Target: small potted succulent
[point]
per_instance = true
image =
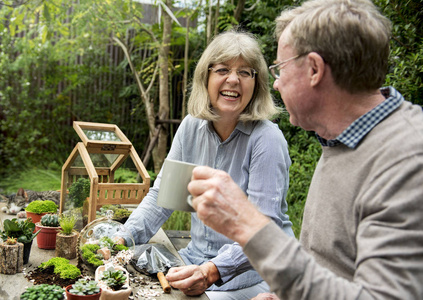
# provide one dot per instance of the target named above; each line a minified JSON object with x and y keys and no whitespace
{"x":83,"y":289}
{"x":114,"y":282}
{"x":43,"y":291}
{"x":49,"y":226}
{"x":11,"y":256}
{"x":38,"y":208}
{"x":67,"y":238}
{"x":23,"y":231}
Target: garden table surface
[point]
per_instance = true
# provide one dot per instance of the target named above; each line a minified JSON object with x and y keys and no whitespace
{"x":11,"y":286}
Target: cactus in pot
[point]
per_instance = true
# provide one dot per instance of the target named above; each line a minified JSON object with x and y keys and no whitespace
{"x":49,"y":226}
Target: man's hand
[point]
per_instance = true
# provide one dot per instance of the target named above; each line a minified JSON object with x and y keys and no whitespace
{"x":223,"y":206}
{"x":193,"y":280}
{"x":266,"y":296}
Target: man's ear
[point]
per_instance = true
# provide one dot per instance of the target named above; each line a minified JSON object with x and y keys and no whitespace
{"x":317,"y":68}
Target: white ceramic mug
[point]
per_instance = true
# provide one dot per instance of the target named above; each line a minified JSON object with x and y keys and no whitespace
{"x":173,"y":191}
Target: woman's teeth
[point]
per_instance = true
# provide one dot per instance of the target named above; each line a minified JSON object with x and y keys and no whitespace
{"x":229,"y":94}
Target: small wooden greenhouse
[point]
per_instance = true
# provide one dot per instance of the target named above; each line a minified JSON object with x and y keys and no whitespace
{"x":104,"y":148}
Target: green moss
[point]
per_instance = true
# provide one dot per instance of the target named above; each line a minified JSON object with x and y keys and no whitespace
{"x":42,"y":206}
{"x":62,"y":267}
{"x":89,"y":254}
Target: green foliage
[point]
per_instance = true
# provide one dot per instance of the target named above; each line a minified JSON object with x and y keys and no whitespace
{"x":178,"y":220}
{"x":114,"y":279}
{"x":89,"y":253}
{"x":406,"y":58}
{"x":79,"y":191}
{"x":22,"y":230}
{"x":84,"y":287}
{"x":42,"y":206}
{"x":125,"y":176}
{"x":67,"y":223}
{"x":62,"y":267}
{"x":50,"y":220}
{"x":36,"y":179}
{"x":43,"y":292}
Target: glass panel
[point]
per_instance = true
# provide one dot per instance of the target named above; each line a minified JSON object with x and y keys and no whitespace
{"x":100,"y":135}
{"x":99,"y":160}
{"x":103,"y":160}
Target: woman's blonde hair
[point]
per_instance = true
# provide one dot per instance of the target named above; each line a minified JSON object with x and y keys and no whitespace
{"x":225,"y":47}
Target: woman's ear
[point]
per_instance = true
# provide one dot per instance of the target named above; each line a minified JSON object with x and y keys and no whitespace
{"x":317,"y":68}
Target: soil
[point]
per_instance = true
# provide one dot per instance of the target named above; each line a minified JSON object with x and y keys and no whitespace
{"x":40,"y":276}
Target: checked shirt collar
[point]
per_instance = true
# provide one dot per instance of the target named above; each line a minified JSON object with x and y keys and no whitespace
{"x":352,"y":136}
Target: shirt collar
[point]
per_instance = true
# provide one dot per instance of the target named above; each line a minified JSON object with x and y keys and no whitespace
{"x":244,"y":127}
{"x":352,"y":136}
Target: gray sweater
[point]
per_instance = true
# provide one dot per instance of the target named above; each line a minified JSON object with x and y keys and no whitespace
{"x":362,"y":234}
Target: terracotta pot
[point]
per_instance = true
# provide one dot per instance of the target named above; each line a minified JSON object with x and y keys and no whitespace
{"x":66,"y":245}
{"x":35,"y":217}
{"x":46,"y":239}
{"x":108,"y":294}
{"x":70,"y":296}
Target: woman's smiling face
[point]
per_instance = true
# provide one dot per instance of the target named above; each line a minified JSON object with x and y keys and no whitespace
{"x":230,"y":94}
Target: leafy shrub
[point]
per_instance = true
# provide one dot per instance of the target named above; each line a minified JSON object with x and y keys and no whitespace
{"x":42,"y":206}
{"x":79,"y":191}
{"x":62,"y":267}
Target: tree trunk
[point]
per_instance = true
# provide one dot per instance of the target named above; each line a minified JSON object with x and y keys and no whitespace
{"x":239,"y":9}
{"x":159,"y":153}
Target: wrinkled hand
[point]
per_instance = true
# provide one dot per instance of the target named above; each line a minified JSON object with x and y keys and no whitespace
{"x":193,"y":280}
{"x":221,"y":204}
{"x":265,"y":296}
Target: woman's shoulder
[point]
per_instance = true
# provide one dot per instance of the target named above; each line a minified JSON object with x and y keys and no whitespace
{"x":267,"y":128}
{"x":190,"y":124}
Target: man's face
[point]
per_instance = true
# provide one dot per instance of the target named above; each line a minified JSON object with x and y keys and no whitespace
{"x":292,"y":83}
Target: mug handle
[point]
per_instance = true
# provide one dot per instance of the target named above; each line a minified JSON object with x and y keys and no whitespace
{"x":189,"y":200}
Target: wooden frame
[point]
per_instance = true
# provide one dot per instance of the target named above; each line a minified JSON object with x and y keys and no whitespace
{"x":103,"y":190}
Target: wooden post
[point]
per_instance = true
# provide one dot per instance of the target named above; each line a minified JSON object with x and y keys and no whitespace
{"x":11,"y":258}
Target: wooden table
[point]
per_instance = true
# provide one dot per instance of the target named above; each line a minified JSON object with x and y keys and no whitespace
{"x":11,"y":286}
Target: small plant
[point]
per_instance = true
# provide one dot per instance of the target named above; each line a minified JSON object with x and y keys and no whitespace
{"x":84,"y":287}
{"x":62,"y":267}
{"x":42,"y":206}
{"x":50,"y":220}
{"x":11,"y":241}
{"x":22,"y":230}
{"x":67,"y":223}
{"x":114,"y":279}
{"x":43,"y":291}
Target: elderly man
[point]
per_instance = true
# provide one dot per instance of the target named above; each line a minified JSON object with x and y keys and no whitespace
{"x":362,"y":235}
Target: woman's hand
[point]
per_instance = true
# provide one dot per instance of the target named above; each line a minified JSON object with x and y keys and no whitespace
{"x":193,"y":280}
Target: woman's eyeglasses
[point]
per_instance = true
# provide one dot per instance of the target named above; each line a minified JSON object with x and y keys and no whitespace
{"x":244,"y":73}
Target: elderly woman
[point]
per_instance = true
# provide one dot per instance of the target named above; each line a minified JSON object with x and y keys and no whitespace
{"x":227,"y":128}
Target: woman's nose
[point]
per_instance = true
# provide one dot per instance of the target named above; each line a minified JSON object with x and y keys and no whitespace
{"x":233,"y":77}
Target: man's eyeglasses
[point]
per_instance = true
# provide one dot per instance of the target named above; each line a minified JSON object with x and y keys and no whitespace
{"x":244,"y":73}
{"x":274,"y":69}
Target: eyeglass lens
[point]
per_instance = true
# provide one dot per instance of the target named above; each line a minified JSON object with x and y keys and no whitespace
{"x":242,"y":73}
